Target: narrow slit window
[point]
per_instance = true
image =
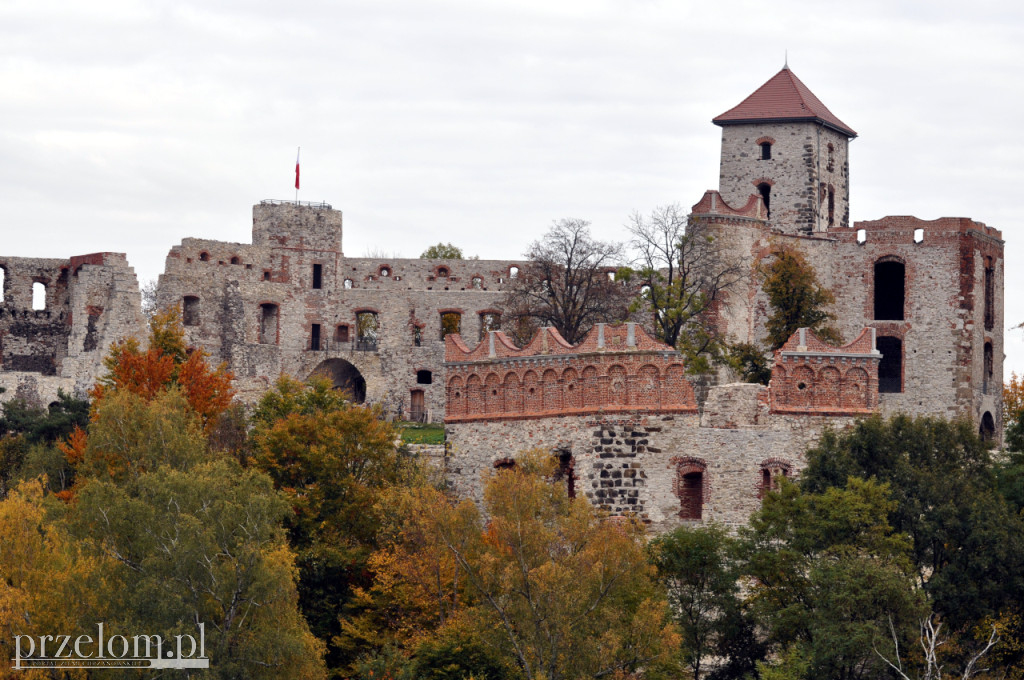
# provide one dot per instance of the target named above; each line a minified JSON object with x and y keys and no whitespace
{"x":3,"y":284}
{"x":831,"y":206}
{"x":314,"y":337}
{"x":318,"y":276}
{"x":990,"y":295}
{"x":766,"y":151}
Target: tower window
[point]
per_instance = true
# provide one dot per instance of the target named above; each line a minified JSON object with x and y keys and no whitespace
{"x":830,"y":166}
{"x":766,"y":151}
{"x":314,"y":337}
{"x":989,"y":365}
{"x":424,"y":377}
{"x":831,"y":206}
{"x":890,"y":368}
{"x":268,"y":324}
{"x":890,"y":290}
{"x":318,"y":270}
{"x":341,"y":333}
{"x":190,"y":311}
{"x":765,"y":190}
{"x":990,"y":295}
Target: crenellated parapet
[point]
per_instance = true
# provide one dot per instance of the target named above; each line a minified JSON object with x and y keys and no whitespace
{"x":615,"y":369}
{"x":811,"y":376}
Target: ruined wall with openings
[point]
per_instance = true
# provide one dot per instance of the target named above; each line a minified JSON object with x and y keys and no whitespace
{"x":256,"y":306}
{"x":58,"y":319}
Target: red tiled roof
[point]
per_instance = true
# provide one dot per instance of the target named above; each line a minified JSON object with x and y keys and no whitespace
{"x":783,"y":98}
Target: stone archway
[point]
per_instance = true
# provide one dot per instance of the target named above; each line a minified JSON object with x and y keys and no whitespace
{"x":344,"y":376}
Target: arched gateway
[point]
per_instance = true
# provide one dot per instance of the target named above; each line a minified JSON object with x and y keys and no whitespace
{"x":344,"y":376}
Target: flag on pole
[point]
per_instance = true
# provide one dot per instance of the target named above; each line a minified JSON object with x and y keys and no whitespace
{"x":297,"y":168}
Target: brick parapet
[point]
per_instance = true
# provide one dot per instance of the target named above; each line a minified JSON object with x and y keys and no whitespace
{"x":809,"y":376}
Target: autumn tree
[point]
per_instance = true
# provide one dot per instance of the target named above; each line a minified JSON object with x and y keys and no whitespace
{"x":167,"y":362}
{"x":331,"y":459}
{"x":558,"y":589}
{"x":682,"y":269}
{"x":568,"y":283}
{"x":796,"y":298}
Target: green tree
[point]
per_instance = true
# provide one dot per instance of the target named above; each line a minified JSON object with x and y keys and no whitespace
{"x":331,"y":459}
{"x":796,"y":298}
{"x":682,"y":269}
{"x":829,"y":576}
{"x":967,"y":540}
{"x":442,"y":251}
{"x":696,"y":566}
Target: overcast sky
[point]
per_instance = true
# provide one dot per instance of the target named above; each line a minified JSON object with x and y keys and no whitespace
{"x":128,"y":125}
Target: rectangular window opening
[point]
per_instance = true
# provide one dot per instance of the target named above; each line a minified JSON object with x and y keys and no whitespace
{"x":317,"y":276}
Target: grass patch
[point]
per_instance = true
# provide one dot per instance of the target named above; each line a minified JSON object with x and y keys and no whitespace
{"x":421,"y":433}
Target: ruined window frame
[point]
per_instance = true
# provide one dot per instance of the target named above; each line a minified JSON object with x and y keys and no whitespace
{"x":191,"y":310}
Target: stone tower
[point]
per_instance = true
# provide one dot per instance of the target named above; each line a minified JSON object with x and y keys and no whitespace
{"x":781,"y":142}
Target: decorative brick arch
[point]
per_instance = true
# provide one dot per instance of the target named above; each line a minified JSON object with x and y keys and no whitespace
{"x":513,"y":402}
{"x":763,"y":180}
{"x":618,"y":387}
{"x":591,"y":387}
{"x":765,"y":140}
{"x":648,"y":388}
{"x":855,"y":388}
{"x":551,"y":391}
{"x":492,"y":394}
{"x":572,"y":390}
{"x":474,"y":394}
{"x":802,"y":382}
{"x":691,"y":486}
{"x":532,"y":398}
{"x":456,"y":397}
{"x":828,"y":387}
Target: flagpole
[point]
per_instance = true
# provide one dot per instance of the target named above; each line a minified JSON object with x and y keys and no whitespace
{"x":297,"y":154}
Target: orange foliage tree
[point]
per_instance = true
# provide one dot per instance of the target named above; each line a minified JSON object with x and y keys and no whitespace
{"x":166,"y":362}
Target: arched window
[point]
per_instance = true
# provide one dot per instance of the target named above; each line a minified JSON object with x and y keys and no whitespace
{"x":987,"y":429}
{"x":766,"y":151}
{"x":38,"y":295}
{"x":771,"y":471}
{"x":890,"y":290}
{"x":689,"y":487}
{"x":348,"y":284}
{"x":384,"y":271}
{"x":477,"y":282}
{"x":190,"y":311}
{"x":204,"y":256}
{"x":235,"y":259}
{"x":513,"y":272}
{"x":765,"y":190}
{"x":890,"y":368}
{"x":442,"y":273}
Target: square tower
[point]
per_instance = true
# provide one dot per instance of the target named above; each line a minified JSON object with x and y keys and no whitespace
{"x":782,"y":143}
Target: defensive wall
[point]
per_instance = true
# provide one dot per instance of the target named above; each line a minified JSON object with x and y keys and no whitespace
{"x":619,"y":414}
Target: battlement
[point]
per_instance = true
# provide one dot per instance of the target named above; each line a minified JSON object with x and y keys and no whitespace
{"x":713,"y":205}
{"x":301,"y":226}
{"x":614,"y":369}
{"x":812,"y":376}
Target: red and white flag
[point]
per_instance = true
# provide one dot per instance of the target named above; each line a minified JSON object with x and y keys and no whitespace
{"x":297,"y":168}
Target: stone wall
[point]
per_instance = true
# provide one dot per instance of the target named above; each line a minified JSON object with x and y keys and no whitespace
{"x":91,"y":301}
{"x":234,"y":288}
{"x":639,"y":462}
{"x":809,"y":164}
